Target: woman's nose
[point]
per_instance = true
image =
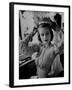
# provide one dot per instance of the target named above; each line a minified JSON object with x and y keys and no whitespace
{"x":45,"y":37}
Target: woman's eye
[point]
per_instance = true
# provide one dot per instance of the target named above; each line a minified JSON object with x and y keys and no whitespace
{"x":42,"y":34}
{"x":47,"y":33}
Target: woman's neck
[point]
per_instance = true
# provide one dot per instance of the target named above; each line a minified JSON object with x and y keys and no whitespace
{"x":46,"y":45}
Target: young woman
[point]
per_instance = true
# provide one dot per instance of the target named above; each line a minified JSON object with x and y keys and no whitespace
{"x":47,"y":60}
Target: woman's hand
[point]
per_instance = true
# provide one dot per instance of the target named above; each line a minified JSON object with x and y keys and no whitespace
{"x":34,"y":56}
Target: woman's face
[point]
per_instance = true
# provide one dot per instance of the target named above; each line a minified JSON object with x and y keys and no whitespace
{"x":45,"y":35}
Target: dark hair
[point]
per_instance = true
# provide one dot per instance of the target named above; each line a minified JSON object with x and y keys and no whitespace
{"x":45,"y":25}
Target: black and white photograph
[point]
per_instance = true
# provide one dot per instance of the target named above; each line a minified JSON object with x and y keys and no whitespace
{"x":41,"y":44}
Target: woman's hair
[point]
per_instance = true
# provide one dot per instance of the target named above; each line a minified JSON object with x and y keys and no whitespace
{"x":45,"y":25}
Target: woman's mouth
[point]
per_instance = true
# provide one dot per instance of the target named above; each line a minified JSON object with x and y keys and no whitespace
{"x":46,"y":40}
